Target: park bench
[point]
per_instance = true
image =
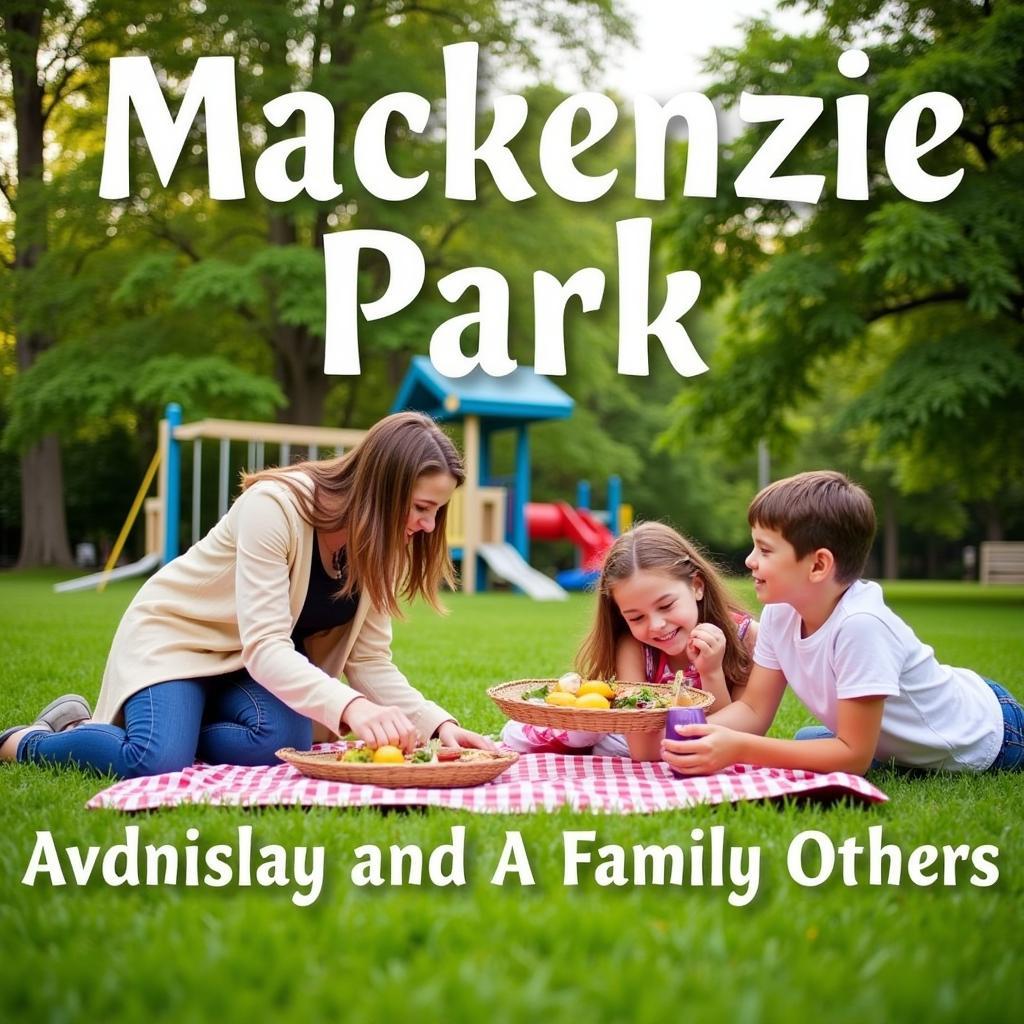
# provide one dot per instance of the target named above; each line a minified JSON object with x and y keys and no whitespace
{"x":1002,"y":562}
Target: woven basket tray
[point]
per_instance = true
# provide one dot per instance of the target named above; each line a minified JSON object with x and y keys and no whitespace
{"x":324,"y":764}
{"x":508,"y":697}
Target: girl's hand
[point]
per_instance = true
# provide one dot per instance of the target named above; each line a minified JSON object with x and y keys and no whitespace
{"x":379,"y":725}
{"x":706,"y":647}
{"x":707,"y":749}
{"x":452,"y":735}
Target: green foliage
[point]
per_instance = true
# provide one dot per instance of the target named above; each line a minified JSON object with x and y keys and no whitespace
{"x":86,"y":393}
{"x":210,"y":385}
{"x":221,"y":306}
{"x":967,"y":374}
{"x":924,"y":298}
{"x":218,"y":283}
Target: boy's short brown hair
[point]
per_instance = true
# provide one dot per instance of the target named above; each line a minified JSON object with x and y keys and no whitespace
{"x":820,"y":509}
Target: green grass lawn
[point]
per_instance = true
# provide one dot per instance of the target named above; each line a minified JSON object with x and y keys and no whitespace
{"x":487,"y":953}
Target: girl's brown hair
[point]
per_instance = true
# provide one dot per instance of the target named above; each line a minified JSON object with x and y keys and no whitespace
{"x":655,"y":547}
{"x":368,"y":492}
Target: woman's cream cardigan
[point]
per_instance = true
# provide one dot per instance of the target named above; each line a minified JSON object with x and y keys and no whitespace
{"x":232,"y":600}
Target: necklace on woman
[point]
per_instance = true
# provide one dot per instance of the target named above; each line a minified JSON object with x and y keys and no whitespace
{"x":339,"y":562}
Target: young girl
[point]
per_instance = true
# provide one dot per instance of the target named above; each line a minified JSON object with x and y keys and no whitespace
{"x":236,"y":648}
{"x":661,"y":609}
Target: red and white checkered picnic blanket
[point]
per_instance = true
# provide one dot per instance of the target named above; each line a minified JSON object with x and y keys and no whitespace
{"x":537,"y":782}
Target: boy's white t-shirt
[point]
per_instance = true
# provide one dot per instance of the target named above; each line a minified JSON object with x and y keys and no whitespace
{"x":935,"y":717}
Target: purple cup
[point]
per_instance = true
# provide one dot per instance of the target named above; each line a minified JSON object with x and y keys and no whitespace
{"x":682,"y":716}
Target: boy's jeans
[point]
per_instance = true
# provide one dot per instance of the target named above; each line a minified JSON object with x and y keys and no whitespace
{"x":227,"y":719}
{"x":1011,"y":753}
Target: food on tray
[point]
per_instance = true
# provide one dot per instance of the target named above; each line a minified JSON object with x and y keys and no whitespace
{"x":598,"y":686}
{"x":476,"y":755}
{"x":561,"y":699}
{"x":358,"y":755}
{"x":647,"y":698}
{"x":598,"y":695}
{"x":431,"y":753}
{"x":568,"y":683}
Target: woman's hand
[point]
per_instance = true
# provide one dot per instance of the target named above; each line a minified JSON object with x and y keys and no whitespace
{"x":706,"y":648}
{"x":452,"y":735}
{"x":377,"y":725}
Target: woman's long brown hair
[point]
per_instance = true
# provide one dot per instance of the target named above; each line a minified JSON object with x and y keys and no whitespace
{"x":368,"y":492}
{"x":655,"y":547}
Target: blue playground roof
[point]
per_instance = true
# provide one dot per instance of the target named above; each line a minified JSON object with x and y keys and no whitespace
{"x":521,"y":396}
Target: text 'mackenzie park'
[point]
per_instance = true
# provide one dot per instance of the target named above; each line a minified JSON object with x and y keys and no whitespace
{"x":134,"y":84}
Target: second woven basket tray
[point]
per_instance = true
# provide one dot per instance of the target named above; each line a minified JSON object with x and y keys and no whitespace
{"x":509,"y":697}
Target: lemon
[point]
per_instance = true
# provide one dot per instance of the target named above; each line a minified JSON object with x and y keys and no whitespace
{"x":597,"y":686}
{"x":561,"y":699}
{"x":388,"y":755}
{"x":593,"y":700}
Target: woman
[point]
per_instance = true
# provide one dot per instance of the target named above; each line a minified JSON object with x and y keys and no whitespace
{"x":236,"y":648}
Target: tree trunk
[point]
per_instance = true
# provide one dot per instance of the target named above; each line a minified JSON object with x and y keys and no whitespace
{"x":298,"y":355}
{"x":306,"y":392}
{"x":993,"y":522}
{"x":891,"y":539}
{"x":44,"y":534}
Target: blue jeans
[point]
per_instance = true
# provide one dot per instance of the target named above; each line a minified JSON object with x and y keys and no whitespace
{"x":1011,"y":753}
{"x":228,"y":719}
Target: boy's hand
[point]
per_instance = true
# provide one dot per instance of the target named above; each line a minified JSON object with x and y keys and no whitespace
{"x":706,"y":647}
{"x":707,"y":749}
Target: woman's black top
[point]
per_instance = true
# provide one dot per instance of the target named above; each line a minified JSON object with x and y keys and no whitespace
{"x":322,"y":610}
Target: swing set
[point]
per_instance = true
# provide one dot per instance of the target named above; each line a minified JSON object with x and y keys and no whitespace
{"x":163,"y":512}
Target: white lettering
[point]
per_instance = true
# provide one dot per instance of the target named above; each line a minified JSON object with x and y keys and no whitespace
{"x":370,"y":150}
{"x":795,"y":115}
{"x":445,"y":343}
{"x":45,"y":861}
{"x":557,"y":150}
{"x":212,"y":85}
{"x":317,"y":140}
{"x":634,"y":330}
{"x":550,"y":297}
{"x":902,"y":151}
{"x":461,"y":151}
{"x":701,"y":152}
{"x":341,"y":256}
{"x":794,"y":858}
{"x":513,"y":860}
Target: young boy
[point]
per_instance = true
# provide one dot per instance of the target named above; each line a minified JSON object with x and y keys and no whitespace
{"x":852,"y":662}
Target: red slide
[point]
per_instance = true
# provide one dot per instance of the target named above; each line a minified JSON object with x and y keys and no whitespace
{"x":560,"y":521}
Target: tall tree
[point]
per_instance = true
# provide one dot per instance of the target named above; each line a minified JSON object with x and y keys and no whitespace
{"x":38,"y":82}
{"x":922,"y":304}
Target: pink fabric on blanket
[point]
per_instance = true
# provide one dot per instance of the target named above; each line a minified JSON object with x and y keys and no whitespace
{"x":538,"y":782}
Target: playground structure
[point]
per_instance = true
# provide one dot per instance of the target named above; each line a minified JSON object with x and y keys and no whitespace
{"x":489,"y":525}
{"x":163,"y":512}
{"x":497,"y":534}
{"x":591,"y":533}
